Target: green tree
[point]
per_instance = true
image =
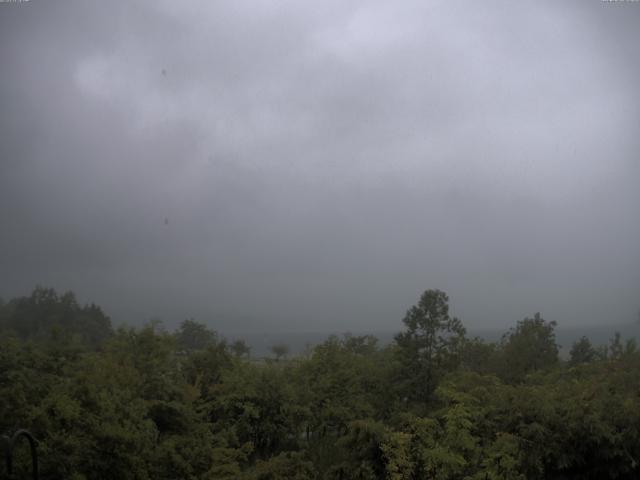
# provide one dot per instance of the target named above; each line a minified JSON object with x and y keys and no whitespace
{"x":363,"y":452}
{"x":582,"y":351}
{"x":344,"y":379}
{"x":257,"y":403}
{"x":360,"y":345}
{"x":480,"y":356}
{"x":431,"y":345}
{"x":192,"y":335}
{"x":528,"y":348}
{"x":44,"y":314}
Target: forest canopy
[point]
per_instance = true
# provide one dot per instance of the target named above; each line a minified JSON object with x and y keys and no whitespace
{"x":147,"y":403}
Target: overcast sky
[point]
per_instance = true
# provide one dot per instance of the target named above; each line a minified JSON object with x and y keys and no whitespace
{"x":301,"y":165}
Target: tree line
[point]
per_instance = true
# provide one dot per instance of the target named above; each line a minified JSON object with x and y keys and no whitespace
{"x":146,"y":403}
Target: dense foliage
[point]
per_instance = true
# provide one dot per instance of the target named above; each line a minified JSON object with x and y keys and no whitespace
{"x":149,"y":404}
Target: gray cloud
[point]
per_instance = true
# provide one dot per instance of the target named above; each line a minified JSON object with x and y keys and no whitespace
{"x":321,"y":164}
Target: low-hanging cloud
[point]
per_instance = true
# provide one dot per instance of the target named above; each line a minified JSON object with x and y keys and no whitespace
{"x":315,"y":166}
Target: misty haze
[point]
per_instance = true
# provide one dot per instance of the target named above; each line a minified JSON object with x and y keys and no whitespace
{"x":283,"y":239}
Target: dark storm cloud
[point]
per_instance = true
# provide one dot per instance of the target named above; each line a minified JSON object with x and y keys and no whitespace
{"x":319,"y":164}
